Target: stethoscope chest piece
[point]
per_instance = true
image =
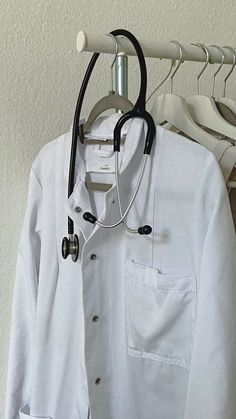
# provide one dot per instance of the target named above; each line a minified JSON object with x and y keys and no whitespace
{"x":70,"y":247}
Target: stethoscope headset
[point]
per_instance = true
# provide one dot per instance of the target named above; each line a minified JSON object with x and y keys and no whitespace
{"x":70,"y":245}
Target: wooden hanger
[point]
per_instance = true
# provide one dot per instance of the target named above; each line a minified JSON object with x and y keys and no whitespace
{"x":110,"y":101}
{"x":230,"y":103}
{"x":203,"y":109}
{"x":226,"y":111}
{"x":173,"y":109}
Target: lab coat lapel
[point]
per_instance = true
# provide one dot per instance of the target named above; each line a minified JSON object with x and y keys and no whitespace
{"x":79,"y":200}
{"x":77,"y":204}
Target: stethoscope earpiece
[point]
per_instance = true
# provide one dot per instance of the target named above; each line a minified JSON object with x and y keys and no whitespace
{"x":87,"y":216}
{"x":145,"y":229}
{"x":70,"y":247}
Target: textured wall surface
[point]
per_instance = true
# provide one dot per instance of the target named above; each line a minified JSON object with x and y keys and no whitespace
{"x":41,"y":73}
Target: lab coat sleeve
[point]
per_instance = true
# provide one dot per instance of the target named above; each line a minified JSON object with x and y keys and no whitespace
{"x":211,"y":392}
{"x":24,"y":303}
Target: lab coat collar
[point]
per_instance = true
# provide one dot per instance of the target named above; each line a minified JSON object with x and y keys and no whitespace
{"x":103,"y":127}
{"x":80,"y":196}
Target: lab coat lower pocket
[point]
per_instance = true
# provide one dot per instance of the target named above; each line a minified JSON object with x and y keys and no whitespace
{"x":24,"y":414}
{"x":160,"y":314}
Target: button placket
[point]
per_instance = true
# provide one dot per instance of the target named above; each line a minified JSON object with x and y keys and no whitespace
{"x":95,"y":317}
{"x":80,"y":200}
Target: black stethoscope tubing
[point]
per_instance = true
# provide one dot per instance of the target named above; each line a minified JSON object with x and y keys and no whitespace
{"x":70,"y":245}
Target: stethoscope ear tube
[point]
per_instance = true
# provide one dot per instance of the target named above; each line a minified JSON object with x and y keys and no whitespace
{"x":70,"y":246}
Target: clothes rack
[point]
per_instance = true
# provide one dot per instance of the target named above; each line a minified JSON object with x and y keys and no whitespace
{"x":152,"y":49}
{"x":91,"y":42}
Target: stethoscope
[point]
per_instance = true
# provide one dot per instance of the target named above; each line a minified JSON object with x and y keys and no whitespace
{"x":70,"y":245}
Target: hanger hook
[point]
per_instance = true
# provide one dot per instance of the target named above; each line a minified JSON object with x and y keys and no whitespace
{"x":179,"y":64}
{"x":220,"y":66}
{"x":205,"y":49}
{"x":163,"y":81}
{"x":113,"y":62}
{"x":232,"y":68}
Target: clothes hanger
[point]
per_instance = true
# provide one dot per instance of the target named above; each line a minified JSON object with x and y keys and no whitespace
{"x":169,"y":111}
{"x":204,"y":111}
{"x":225,"y":151}
{"x":174,"y":110}
{"x":224,"y":108}
{"x":111,"y":101}
{"x":163,"y":81}
{"x":231,"y":183}
{"x":226,"y":112}
{"x":230,"y":103}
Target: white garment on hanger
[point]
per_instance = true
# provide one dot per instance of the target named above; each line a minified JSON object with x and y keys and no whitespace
{"x":225,"y":153}
{"x":146,"y":328}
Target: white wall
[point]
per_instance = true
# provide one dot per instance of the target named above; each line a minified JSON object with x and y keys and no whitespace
{"x":41,"y":73}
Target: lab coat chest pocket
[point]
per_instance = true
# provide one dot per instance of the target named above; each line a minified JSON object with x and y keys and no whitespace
{"x":160,"y":313}
{"x":24,"y":414}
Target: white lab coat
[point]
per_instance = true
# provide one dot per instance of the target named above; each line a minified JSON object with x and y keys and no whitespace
{"x":164,"y":342}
